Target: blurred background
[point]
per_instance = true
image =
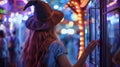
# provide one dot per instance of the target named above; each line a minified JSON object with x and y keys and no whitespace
{"x":84,"y":20}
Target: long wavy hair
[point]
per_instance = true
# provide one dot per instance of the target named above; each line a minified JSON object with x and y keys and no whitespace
{"x":36,"y":47}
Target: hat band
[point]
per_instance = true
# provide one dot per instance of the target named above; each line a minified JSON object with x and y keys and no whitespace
{"x":48,"y":17}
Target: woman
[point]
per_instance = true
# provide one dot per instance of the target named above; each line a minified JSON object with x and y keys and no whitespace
{"x":42,"y":48}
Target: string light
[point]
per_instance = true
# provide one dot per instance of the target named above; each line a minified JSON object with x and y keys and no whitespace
{"x":79,"y":22}
{"x":72,"y":2}
{"x":79,"y":14}
{"x":81,"y":38}
{"x":76,"y":9}
{"x":81,"y":33}
{"x":81,"y":27}
{"x":76,"y":3}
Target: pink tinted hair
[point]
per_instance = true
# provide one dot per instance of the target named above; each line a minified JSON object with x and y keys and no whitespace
{"x":36,"y":47}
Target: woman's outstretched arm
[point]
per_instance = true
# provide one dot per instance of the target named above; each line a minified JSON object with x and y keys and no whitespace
{"x":64,"y":62}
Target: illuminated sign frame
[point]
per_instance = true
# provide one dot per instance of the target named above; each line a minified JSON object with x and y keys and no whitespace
{"x":112,"y":3}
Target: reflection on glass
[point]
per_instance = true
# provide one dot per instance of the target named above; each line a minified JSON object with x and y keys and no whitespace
{"x":92,"y":32}
{"x":113,"y":30}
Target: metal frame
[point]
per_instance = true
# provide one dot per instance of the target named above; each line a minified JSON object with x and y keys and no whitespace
{"x":90,"y":34}
{"x":103,"y":34}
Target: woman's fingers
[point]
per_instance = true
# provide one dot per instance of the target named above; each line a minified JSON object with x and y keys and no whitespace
{"x":91,"y":46}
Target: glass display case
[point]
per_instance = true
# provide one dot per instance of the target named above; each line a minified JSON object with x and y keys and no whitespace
{"x":113,"y":32}
{"x":92,"y":32}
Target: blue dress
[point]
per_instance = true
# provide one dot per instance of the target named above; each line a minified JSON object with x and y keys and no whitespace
{"x":54,"y":51}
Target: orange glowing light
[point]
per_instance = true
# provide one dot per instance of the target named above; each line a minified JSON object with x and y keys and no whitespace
{"x":79,"y":56}
{"x":82,"y":38}
{"x":81,"y":33}
{"x":76,"y":3}
{"x":81,"y":28}
{"x":81,"y":48}
{"x":79,"y":21}
{"x":76,"y":7}
{"x":81,"y":43}
{"x":83,"y":3}
{"x":79,"y":15}
{"x":78,"y":10}
{"x":80,"y":53}
{"x":72,"y":2}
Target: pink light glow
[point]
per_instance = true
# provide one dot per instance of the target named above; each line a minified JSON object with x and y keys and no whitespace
{"x":112,"y":3}
{"x":3,"y":2}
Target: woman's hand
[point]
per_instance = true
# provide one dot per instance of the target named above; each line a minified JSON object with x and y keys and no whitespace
{"x":91,"y":46}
